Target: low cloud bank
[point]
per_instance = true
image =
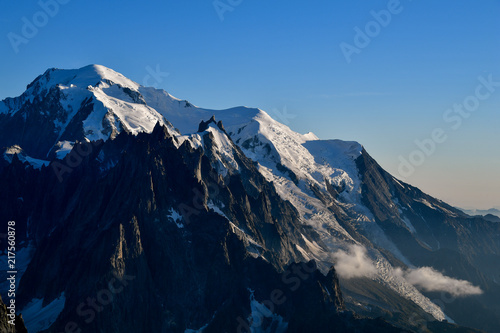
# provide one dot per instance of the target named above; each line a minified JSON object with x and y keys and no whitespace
{"x":428,"y":279}
{"x":354,"y":263}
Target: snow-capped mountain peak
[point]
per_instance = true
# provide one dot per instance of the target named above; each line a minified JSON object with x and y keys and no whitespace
{"x":91,"y":75}
{"x":90,"y":103}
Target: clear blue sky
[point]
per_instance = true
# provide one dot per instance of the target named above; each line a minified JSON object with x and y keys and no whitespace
{"x":286,"y":55}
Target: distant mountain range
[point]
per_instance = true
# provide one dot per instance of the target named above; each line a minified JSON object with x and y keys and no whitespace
{"x":139,"y":212}
{"x":483,"y":212}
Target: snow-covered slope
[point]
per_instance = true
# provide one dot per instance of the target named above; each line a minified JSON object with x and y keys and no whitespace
{"x":16,"y":150}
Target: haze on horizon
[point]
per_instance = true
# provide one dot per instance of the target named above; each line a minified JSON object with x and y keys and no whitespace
{"x":384,"y":73}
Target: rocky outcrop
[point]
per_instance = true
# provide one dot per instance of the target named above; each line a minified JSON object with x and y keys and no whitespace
{"x":9,"y":324}
{"x":204,"y":125}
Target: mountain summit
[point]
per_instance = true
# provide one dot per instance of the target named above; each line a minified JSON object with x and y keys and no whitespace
{"x":222,"y":221}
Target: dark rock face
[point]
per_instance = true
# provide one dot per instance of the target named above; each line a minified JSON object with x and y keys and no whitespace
{"x":6,"y":323}
{"x":117,"y":250}
{"x":204,"y":125}
{"x":33,"y":126}
{"x":5,"y":326}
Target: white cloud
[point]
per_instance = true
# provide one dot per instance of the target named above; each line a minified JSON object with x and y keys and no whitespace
{"x":354,"y":263}
{"x":428,"y":279}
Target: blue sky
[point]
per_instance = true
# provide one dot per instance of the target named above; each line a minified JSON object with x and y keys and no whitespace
{"x":285,"y":57}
